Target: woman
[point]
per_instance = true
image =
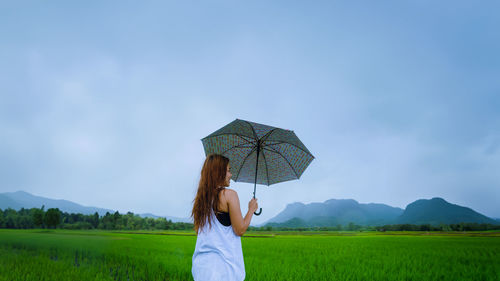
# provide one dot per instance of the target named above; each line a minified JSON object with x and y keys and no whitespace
{"x":219,"y":224}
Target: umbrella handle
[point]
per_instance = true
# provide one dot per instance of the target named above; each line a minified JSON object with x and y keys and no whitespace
{"x":258,"y":214}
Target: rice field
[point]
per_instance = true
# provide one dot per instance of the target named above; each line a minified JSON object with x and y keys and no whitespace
{"x":99,"y":255}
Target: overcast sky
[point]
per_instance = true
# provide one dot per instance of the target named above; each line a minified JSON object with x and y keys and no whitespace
{"x":104,"y":103}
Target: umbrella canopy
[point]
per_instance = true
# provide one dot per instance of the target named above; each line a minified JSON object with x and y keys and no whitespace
{"x":259,"y":154}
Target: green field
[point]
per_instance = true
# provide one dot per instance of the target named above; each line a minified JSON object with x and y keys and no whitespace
{"x":98,"y":255}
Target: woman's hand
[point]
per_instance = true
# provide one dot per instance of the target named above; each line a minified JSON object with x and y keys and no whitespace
{"x":252,"y":205}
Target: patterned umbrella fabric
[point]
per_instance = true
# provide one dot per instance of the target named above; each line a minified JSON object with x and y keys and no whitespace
{"x":259,"y":154}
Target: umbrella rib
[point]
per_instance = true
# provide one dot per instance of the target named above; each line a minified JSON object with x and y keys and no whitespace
{"x":247,"y":138}
{"x":242,"y":164}
{"x":244,"y":138}
{"x":306,"y":152}
{"x":251,"y":127}
{"x":237,"y":146}
{"x":278,"y":142}
{"x":268,"y":134}
{"x":257,"y":141}
{"x":267,"y":170}
{"x":295,"y":172}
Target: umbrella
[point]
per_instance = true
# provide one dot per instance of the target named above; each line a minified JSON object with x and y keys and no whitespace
{"x":258,"y":153}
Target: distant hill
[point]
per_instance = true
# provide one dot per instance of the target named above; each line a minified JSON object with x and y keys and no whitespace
{"x":342,"y":212}
{"x":173,"y":219}
{"x":436,"y":211}
{"x":7,"y":202}
{"x":333,"y":212}
{"x":21,"y":199}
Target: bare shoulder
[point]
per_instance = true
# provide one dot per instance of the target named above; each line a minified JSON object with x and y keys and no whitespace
{"x":231,"y":194}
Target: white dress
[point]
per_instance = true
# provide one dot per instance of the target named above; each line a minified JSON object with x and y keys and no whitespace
{"x":218,"y":254}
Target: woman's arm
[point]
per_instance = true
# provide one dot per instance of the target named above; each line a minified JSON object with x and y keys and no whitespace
{"x":240,"y":224}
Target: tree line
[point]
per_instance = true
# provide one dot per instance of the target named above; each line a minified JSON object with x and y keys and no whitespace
{"x":468,"y":226}
{"x":55,"y":218}
{"x":393,"y":227}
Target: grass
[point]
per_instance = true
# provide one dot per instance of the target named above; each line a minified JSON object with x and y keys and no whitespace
{"x":153,"y":255}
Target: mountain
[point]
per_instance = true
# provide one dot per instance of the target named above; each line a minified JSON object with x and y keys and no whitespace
{"x":7,"y":202}
{"x":437,"y":210}
{"x":173,"y":219}
{"x":334,"y":211}
{"x":22,"y":199}
{"x":342,"y":212}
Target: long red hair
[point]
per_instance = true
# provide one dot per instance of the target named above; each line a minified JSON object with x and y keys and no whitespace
{"x":213,"y":175}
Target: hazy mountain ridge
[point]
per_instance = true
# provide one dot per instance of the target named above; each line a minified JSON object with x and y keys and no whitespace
{"x":335,"y":212}
{"x":21,"y":199}
{"x":338,"y":211}
{"x":332,"y":212}
{"x":437,"y":210}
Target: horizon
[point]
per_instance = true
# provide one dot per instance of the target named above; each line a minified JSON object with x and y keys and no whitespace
{"x":252,"y":224}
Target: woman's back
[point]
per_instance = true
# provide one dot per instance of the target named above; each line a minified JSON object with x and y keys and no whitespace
{"x":218,"y":254}
{"x":221,"y":213}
